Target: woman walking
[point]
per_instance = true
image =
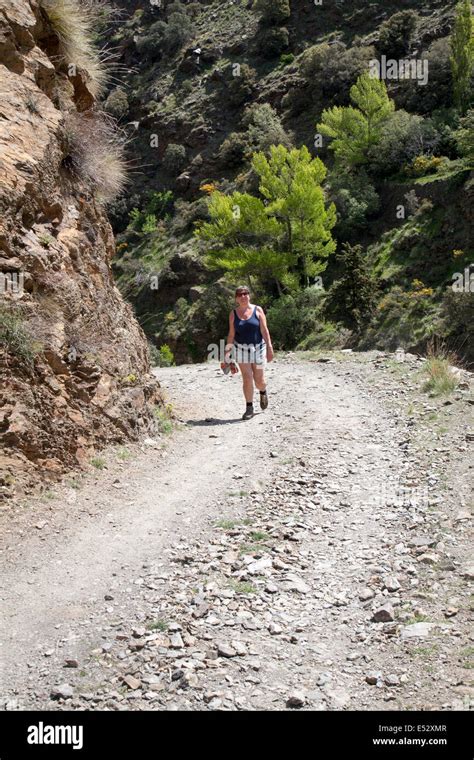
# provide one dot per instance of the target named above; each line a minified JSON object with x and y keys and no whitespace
{"x":250,"y":345}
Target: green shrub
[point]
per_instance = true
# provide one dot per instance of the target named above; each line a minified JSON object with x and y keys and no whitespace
{"x":286,"y":59}
{"x":165,"y":37}
{"x":273,"y":11}
{"x":187,"y":213}
{"x":396,"y":33}
{"x":179,"y":30}
{"x":150,"y":44}
{"x":240,"y":86}
{"x":264,"y":128}
{"x":232,"y":150}
{"x":292,"y":318}
{"x":457,"y":324}
{"x":161,"y":357}
{"x":274,"y":41}
{"x":401,"y":319}
{"x":356,"y":199}
{"x":174,"y":158}
{"x":157,"y":206}
{"x":423,"y":165}
{"x":403,"y":137}
{"x":437,"y":92}
{"x":117,"y":103}
{"x":464,"y":136}
{"x":326,"y":335}
{"x":330,"y":70}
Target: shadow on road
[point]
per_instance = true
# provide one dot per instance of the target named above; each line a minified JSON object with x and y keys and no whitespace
{"x":212,"y":421}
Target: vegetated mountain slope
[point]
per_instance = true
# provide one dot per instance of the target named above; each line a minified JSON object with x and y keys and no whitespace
{"x":74,"y":362}
{"x":192,"y":87}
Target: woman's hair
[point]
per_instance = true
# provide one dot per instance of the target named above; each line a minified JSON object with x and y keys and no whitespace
{"x":242,"y":287}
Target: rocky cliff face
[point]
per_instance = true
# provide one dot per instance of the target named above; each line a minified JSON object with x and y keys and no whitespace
{"x":74,"y":362}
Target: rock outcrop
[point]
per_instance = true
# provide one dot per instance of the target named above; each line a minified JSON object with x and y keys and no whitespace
{"x":74,"y":362}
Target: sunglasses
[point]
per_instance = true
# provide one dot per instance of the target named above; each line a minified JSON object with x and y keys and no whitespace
{"x":242,"y":293}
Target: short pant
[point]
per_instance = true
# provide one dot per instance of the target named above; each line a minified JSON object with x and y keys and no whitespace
{"x":250,"y":353}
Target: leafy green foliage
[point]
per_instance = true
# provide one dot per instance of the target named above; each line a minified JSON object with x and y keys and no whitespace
{"x":295,"y":316}
{"x":462,"y":58}
{"x":355,"y":130}
{"x":464,"y":136}
{"x":156,"y":207}
{"x":162,"y":356}
{"x":264,"y":129}
{"x":165,"y":37}
{"x":356,"y":199}
{"x":403,"y":137}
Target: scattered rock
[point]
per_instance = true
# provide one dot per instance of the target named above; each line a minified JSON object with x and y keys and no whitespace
{"x":64,"y":691}
{"x":384,"y":614}
{"x":416,"y":630}
{"x":131,"y":682}
{"x":297,"y":699}
{"x":225,"y":650}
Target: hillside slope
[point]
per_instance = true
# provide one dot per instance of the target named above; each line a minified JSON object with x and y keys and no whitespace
{"x":192,"y":85}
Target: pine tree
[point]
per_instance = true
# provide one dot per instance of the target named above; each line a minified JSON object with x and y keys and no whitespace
{"x":355,"y":130}
{"x":462,"y":58}
{"x":351,"y":299}
{"x":283,"y":236}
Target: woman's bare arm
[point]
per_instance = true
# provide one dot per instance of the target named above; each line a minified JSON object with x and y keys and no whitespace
{"x":265,"y":332}
{"x":230,"y":337}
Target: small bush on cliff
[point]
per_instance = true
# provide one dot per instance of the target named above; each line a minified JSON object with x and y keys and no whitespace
{"x":240,"y":85}
{"x":264,"y":128}
{"x":395,"y":34}
{"x":74,"y":25}
{"x":273,"y":11}
{"x":174,"y":158}
{"x":274,"y":41}
{"x":117,"y":103}
{"x":330,"y":70}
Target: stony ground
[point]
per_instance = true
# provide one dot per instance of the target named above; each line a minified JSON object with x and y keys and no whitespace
{"x":315,"y":557}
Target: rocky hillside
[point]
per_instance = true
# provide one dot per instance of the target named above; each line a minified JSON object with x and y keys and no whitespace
{"x":200,"y":86}
{"x":74,"y":362}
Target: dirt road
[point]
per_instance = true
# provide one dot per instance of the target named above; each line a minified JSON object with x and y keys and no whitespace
{"x":313,"y":557}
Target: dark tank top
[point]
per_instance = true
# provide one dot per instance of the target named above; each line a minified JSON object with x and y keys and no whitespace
{"x":248,"y":330}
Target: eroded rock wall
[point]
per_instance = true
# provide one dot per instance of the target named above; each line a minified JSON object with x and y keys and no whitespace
{"x":73,"y":360}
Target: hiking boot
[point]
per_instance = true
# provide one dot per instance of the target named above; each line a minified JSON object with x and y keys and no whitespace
{"x":248,"y":412}
{"x":263,"y":399}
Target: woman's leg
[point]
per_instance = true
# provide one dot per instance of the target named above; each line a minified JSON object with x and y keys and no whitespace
{"x":259,"y":376}
{"x":247,"y":380}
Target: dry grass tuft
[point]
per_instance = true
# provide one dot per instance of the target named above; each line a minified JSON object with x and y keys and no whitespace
{"x":97,"y":153}
{"x":74,"y":22}
{"x":441,"y":379}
